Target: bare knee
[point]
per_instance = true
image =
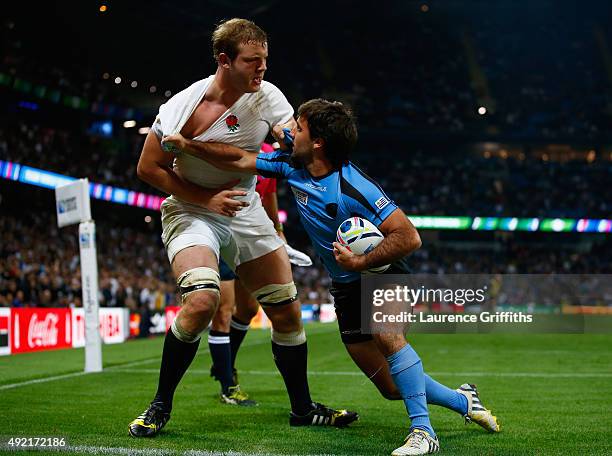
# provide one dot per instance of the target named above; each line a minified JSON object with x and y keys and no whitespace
{"x":201,"y":304}
{"x":281,"y":305}
{"x":389,"y":343}
{"x":198,"y":308}
{"x":285,"y":318}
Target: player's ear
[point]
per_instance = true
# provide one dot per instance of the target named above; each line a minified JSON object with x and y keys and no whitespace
{"x":224,"y":60}
{"x":318,"y":144}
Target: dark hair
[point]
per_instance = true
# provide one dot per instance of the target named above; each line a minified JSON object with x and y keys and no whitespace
{"x":333,"y":122}
{"x":231,"y":33}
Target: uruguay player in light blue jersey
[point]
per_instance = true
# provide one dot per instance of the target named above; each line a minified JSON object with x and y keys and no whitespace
{"x":328,"y":189}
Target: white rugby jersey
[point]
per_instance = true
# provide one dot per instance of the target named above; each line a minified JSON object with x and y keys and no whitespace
{"x":245,"y":124}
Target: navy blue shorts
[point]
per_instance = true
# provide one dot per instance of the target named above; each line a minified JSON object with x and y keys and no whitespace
{"x":225,"y":272}
{"x":347,"y":303}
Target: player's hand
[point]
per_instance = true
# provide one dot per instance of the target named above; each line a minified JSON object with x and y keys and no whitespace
{"x":223,"y":200}
{"x":347,"y":259}
{"x":296,"y":257}
{"x":174,"y":143}
{"x":279,"y":134}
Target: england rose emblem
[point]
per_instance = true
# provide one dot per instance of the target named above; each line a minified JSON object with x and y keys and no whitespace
{"x":232,"y":123}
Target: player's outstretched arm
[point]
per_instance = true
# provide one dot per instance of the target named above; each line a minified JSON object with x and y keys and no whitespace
{"x":220,"y":155}
{"x":154,"y":167}
{"x":401,"y":239}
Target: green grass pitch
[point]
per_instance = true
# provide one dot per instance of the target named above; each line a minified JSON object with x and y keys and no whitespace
{"x":552,"y":394}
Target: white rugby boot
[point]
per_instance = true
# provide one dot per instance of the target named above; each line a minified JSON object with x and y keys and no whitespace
{"x":477,"y":412}
{"x":418,"y":442}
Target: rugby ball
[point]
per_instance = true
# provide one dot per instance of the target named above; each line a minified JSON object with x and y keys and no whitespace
{"x":360,"y":236}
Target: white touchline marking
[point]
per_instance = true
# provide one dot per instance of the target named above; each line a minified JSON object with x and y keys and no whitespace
{"x":42,"y":380}
{"x":526,"y":374}
{"x":85,"y":449}
{"x":115,"y":368}
{"x":359,"y":374}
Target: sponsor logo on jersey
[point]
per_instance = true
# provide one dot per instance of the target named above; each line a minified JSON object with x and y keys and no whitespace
{"x":300,"y":196}
{"x":381,"y":202}
{"x":232,"y":123}
{"x":316,"y":187}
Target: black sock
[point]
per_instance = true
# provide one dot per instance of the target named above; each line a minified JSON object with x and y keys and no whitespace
{"x":176,"y":358}
{"x":291,"y":361}
{"x":238,"y":330}
{"x":219,"y":345}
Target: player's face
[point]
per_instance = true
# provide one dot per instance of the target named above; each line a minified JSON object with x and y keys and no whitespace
{"x":302,"y":142}
{"x":248,"y":68}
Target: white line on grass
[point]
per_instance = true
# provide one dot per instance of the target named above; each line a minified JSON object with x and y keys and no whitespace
{"x":440,"y":374}
{"x":118,"y":367}
{"x":41,"y":380}
{"x":152,"y":451}
{"x":526,"y":374}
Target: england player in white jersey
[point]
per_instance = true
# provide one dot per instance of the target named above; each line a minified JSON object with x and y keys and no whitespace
{"x":246,"y":122}
{"x":205,"y":218}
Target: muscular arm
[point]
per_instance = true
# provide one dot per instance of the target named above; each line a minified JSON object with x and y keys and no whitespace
{"x":155,"y":168}
{"x":220,"y":155}
{"x":401,"y":239}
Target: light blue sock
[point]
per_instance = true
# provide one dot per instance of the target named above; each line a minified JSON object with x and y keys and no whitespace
{"x":407,"y":372}
{"x":438,"y":394}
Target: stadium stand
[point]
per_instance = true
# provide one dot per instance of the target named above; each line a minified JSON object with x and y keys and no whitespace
{"x":539,"y":151}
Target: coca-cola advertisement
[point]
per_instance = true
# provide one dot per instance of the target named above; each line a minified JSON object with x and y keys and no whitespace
{"x":35,"y":329}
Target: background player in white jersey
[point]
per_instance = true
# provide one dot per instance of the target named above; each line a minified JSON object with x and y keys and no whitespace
{"x":233,"y":106}
{"x":237,"y":307}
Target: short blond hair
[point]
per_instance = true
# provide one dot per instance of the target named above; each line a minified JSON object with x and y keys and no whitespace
{"x":231,"y":33}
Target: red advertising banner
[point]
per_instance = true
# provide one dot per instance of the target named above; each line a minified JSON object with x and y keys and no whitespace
{"x":171,"y":313}
{"x":35,"y":329}
{"x":134,"y":325}
{"x":5,"y":325}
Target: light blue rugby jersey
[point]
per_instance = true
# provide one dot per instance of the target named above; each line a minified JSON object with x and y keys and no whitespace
{"x":325,"y":202}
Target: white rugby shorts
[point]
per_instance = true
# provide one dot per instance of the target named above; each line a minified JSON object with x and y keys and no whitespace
{"x":248,"y":235}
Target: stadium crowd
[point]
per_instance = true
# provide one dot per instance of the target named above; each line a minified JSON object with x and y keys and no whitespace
{"x":547,"y":79}
{"x":75,"y":153}
{"x":472,"y":185}
{"x":423,"y":183}
{"x":39,"y":265}
{"x":544,"y":83}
